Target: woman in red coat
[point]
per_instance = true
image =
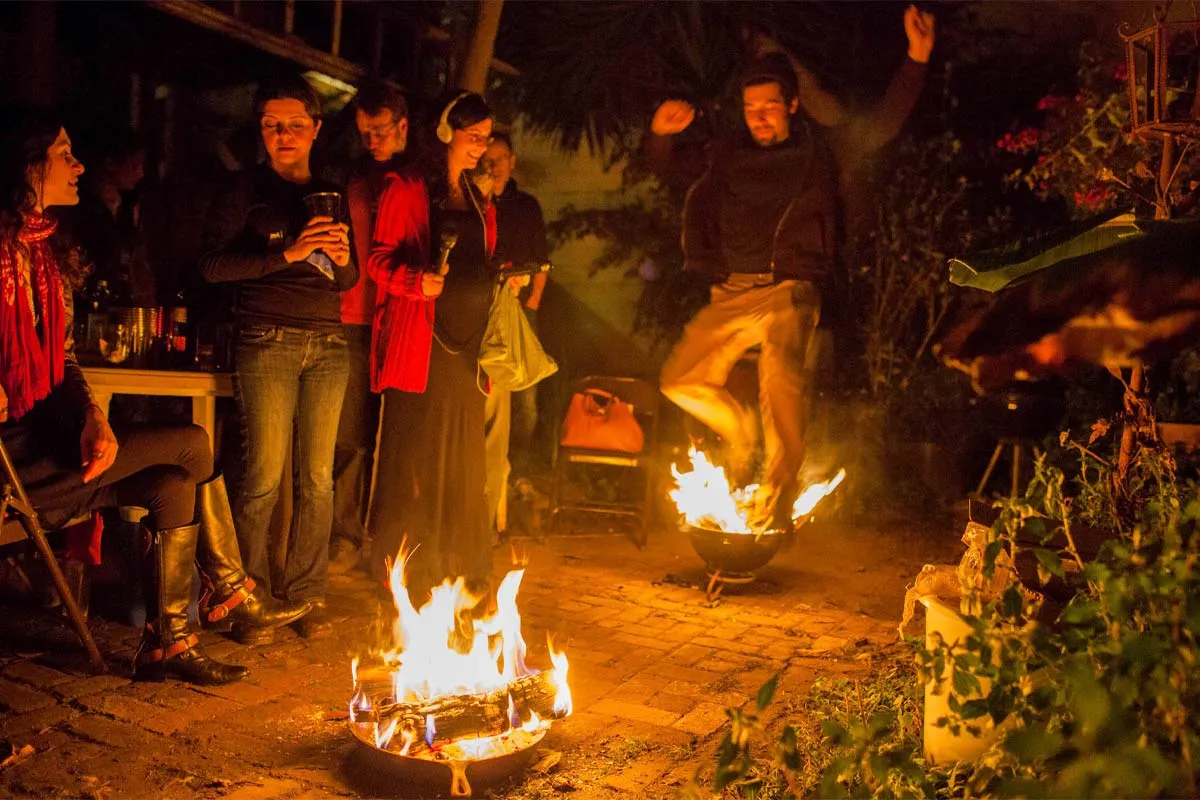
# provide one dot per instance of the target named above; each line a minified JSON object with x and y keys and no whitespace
{"x":425,"y":357}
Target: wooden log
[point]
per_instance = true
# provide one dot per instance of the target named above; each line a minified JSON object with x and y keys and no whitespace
{"x":474,"y":715}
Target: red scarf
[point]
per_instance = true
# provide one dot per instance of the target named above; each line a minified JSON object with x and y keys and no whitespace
{"x":30,"y":367}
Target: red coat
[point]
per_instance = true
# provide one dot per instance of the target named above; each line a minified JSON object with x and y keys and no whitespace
{"x":402,"y":328}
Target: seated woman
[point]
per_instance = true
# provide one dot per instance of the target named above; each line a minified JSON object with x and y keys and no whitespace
{"x":64,"y":451}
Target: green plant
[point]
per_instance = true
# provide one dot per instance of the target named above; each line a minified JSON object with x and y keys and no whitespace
{"x":898,"y":274}
{"x":828,"y":731}
{"x":1096,"y":683}
{"x":1080,"y":148}
{"x":1176,"y":387}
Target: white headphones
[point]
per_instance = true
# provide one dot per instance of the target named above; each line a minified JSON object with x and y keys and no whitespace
{"x":445,"y":133}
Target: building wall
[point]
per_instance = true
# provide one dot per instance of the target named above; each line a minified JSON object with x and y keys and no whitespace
{"x":596,"y":331}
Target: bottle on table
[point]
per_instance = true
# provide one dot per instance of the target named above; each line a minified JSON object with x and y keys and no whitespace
{"x":99,"y":306}
{"x":179,"y":332}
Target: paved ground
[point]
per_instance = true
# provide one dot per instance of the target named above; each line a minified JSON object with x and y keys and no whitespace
{"x":653,"y":667}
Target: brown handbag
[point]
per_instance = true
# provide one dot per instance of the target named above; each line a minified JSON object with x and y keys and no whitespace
{"x":599,"y":420}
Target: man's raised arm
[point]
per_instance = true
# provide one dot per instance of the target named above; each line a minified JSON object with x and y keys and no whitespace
{"x":673,"y":165}
{"x":863,"y":134}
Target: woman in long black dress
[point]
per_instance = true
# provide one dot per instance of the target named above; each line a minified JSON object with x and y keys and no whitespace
{"x":430,"y":483}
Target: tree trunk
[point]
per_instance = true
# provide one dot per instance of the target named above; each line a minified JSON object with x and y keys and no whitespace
{"x":473,"y":71}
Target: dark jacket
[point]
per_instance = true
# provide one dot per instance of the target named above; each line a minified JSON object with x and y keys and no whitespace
{"x":252,"y":221}
{"x":521,"y":226}
{"x":805,"y":234}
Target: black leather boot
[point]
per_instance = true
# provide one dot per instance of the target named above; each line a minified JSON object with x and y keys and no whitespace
{"x":230,"y":594}
{"x":316,"y":623}
{"x":168,"y":646}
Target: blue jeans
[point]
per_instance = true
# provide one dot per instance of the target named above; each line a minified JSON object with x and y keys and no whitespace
{"x":286,"y":376}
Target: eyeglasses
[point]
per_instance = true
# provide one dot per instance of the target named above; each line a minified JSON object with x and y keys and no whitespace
{"x":476,"y":138}
{"x":296,"y":127}
{"x":381,"y":131}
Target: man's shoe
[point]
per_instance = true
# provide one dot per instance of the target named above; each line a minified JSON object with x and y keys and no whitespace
{"x":250,"y":635}
{"x":344,"y":556}
{"x":315,"y":624}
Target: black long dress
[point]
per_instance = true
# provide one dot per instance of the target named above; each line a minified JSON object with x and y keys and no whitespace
{"x":430,"y":485}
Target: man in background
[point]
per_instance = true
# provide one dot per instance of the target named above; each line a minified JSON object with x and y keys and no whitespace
{"x":107,"y":223}
{"x":381,"y":115}
{"x":520,"y":240}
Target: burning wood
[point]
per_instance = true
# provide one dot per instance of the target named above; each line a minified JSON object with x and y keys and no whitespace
{"x":456,"y":686}
{"x":462,"y":716}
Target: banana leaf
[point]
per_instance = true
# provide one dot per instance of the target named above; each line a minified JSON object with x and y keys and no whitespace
{"x":992,"y":270}
{"x":1136,"y":298}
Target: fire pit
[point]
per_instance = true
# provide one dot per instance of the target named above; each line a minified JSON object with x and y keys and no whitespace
{"x":715,"y":518}
{"x":455,"y":692}
{"x":733,"y":557}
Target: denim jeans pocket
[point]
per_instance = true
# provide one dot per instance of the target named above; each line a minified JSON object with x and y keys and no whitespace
{"x":256,"y":334}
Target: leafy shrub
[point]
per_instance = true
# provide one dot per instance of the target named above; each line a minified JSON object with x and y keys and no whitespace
{"x":1096,"y":684}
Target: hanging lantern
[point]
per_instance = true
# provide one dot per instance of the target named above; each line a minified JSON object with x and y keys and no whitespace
{"x":1163,"y":65}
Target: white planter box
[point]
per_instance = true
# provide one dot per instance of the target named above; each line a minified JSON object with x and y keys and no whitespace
{"x":941,"y":745}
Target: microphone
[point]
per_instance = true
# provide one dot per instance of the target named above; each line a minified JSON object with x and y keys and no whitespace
{"x":449,"y":239}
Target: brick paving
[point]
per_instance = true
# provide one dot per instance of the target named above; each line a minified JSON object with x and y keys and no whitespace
{"x":653,"y":666}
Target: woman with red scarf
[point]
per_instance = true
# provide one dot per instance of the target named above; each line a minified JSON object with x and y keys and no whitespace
{"x":65,"y":453}
{"x":431,"y":309}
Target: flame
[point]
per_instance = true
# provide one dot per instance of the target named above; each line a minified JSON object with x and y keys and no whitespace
{"x":443,"y":651}
{"x":382,"y":738}
{"x":447,"y":648}
{"x":430,"y":730}
{"x":814,"y":494}
{"x":704,"y":497}
{"x":562,"y":698}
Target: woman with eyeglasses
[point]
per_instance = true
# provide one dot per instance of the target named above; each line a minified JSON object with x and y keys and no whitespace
{"x":287,"y":267}
{"x":65,"y":454}
{"x":431,"y":258}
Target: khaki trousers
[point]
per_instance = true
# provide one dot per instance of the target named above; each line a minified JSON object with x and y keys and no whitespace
{"x":748,"y":311}
{"x":497,"y":427}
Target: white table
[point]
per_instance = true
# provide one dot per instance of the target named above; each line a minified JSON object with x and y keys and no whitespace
{"x":203,"y":387}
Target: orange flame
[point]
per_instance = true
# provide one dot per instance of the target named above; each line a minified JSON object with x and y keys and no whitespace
{"x":704,"y":497}
{"x":444,"y":649}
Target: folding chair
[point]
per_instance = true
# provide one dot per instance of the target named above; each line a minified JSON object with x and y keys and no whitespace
{"x":14,"y":499}
{"x":645,"y":399}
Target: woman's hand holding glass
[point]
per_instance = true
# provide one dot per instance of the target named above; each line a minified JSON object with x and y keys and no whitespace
{"x":321,"y":233}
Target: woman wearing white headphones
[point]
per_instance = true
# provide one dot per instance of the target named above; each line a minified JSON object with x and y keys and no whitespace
{"x":431,"y":258}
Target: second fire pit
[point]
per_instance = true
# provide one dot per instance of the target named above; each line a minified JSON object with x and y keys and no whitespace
{"x":714,"y":516}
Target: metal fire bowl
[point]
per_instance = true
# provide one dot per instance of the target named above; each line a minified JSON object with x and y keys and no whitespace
{"x":734,"y":555}
{"x":391,"y":774}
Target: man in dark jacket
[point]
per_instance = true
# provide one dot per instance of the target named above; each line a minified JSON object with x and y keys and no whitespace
{"x":381,"y":115}
{"x":520,"y":240}
{"x":761,"y":222}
